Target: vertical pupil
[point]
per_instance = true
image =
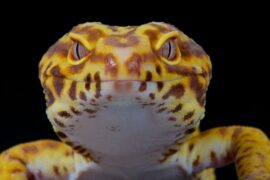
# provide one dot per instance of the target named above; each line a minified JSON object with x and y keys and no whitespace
{"x":169,"y":53}
{"x":77,"y":50}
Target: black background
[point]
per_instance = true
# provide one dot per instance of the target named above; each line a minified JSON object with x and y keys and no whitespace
{"x":235,"y":37}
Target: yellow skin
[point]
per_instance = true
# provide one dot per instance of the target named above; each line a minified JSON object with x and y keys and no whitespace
{"x":128,"y":106}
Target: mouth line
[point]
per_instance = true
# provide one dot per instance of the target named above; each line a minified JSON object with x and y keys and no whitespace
{"x":121,"y":80}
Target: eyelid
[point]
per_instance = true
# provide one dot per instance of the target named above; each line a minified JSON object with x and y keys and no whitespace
{"x":80,"y":39}
{"x":164,"y":38}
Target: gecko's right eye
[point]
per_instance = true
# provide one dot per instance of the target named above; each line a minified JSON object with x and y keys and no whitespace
{"x":79,"y":51}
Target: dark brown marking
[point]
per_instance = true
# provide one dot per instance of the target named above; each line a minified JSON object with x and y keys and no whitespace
{"x":90,"y":111}
{"x":30,"y":175}
{"x":94,"y":34}
{"x":61,"y":134}
{"x":12,"y":158}
{"x":177,"y":108}
{"x":152,"y":96}
{"x":188,"y":115}
{"x":161,"y":110}
{"x":75,"y":111}
{"x":109,"y":98}
{"x":88,"y":82}
{"x":49,"y":95}
{"x":198,"y":88}
{"x":59,"y":123}
{"x":189,"y":131}
{"x":160,"y":85}
{"x":72,"y":90}
{"x":152,"y":35}
{"x":56,"y":71}
{"x":158,"y":70}
{"x":58,"y":84}
{"x":15,"y":170}
{"x":213,"y":157}
{"x":161,"y":104}
{"x":168,"y":154}
{"x":133,"y":64}
{"x":191,"y":48}
{"x":176,"y":90}
{"x":148,"y":76}
{"x":56,"y":170}
{"x":98,"y":84}
{"x":237,"y":131}
{"x":83,"y":96}
{"x":223,"y":130}
{"x":30,"y":149}
{"x":76,"y":68}
{"x":172,"y":119}
{"x":143,"y":86}
{"x":64,"y":114}
{"x":190,"y":147}
{"x":130,"y":40}
{"x":196,"y":162}
{"x":40,"y":175}
{"x":60,"y":48}
{"x":111,"y":65}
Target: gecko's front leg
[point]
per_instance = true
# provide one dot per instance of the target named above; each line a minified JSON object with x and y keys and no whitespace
{"x":248,"y":148}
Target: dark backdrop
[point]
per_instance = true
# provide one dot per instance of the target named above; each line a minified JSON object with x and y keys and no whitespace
{"x":234,"y":36}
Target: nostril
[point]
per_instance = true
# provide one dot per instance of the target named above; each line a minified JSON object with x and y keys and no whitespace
{"x":110,"y":65}
{"x":134,"y":64}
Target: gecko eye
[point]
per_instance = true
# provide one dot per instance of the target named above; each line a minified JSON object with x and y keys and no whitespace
{"x":79,"y":51}
{"x":168,"y":50}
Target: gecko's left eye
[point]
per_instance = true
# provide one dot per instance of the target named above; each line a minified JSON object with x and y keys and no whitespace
{"x":168,"y":49}
{"x":79,"y":51}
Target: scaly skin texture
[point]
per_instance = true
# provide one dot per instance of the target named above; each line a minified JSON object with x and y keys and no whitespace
{"x":125,"y":107}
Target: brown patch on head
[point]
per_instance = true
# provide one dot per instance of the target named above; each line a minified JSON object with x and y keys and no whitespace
{"x":64,"y":114}
{"x":160,"y":85}
{"x":56,"y":71}
{"x":127,"y":40}
{"x":110,"y":65}
{"x":30,"y":175}
{"x":191,"y":48}
{"x":58,"y":84}
{"x":72,"y":90}
{"x":15,"y":170}
{"x":88,"y":81}
{"x":17,"y":159}
{"x":161,"y":28}
{"x":237,"y":131}
{"x":152,"y":35}
{"x":60,"y":48}
{"x":98,"y":84}
{"x":133,"y":64}
{"x":143,"y":86}
{"x":82,"y":96}
{"x":198,"y":88}
{"x":188,"y":115}
{"x":94,"y":34}
{"x":30,"y":149}
{"x":49,"y":95}
{"x":176,"y":90}
{"x":190,"y":131}
{"x":58,"y":122}
{"x":223,"y":130}
{"x":76,"y":68}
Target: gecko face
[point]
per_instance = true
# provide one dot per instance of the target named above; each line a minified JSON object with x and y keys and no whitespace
{"x":99,"y":73}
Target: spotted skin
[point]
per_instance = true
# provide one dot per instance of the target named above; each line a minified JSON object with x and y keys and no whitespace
{"x":126,"y":110}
